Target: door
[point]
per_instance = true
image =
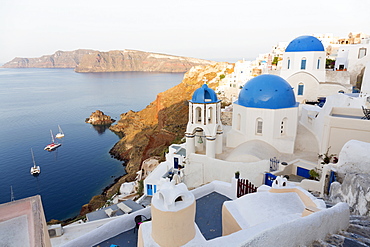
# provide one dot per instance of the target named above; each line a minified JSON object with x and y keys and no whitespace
{"x":149,"y":189}
{"x":175,"y":162}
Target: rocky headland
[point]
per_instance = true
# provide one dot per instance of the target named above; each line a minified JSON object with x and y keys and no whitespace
{"x":99,"y":118}
{"x":131,"y":60}
{"x":60,"y":59}
{"x":149,"y":132}
{"x":111,"y":61}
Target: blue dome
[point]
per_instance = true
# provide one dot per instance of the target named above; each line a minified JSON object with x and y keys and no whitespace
{"x":267,"y":91}
{"x":305,"y":43}
{"x":204,"y":95}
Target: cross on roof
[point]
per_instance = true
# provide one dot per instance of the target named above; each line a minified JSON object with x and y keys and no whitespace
{"x":205,"y":80}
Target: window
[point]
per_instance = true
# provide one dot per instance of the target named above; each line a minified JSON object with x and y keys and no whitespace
{"x":238,"y":120}
{"x":198,"y":114}
{"x":361,"y":52}
{"x":283,"y":126}
{"x":259,"y":124}
{"x":288,"y":67}
{"x":318,"y":63}
{"x":210,"y":114}
{"x":303,"y":63}
{"x":300,"y":88}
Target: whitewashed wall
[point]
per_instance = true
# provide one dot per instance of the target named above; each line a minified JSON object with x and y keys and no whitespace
{"x":201,"y":170}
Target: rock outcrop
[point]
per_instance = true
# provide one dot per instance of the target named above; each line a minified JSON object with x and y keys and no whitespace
{"x":60,"y":59}
{"x":150,"y":131}
{"x":111,"y":61}
{"x":131,"y":60}
{"x":99,"y":118}
{"x":353,"y":176}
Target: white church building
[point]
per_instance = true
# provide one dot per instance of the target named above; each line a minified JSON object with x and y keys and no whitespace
{"x":304,"y":69}
{"x":266,"y":110}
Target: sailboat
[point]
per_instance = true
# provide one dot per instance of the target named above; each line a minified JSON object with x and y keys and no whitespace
{"x":35,"y":170}
{"x":53,"y":145}
{"x":60,"y":134}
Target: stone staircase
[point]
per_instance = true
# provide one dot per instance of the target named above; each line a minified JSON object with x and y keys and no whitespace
{"x":357,"y":234}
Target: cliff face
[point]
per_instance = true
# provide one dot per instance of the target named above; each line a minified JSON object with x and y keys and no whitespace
{"x":130,"y":60}
{"x":60,"y":59}
{"x":112,"y":61}
{"x":148,"y":132}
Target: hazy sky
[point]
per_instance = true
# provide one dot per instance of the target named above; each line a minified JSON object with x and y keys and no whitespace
{"x":228,"y":29}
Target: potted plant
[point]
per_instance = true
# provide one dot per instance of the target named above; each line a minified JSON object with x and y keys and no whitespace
{"x":314,"y":175}
{"x":237,"y":174}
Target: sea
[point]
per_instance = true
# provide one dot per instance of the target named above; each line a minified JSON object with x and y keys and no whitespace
{"x":34,"y":101}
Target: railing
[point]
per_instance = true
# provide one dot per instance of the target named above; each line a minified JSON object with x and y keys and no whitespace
{"x":269,"y":178}
{"x":274,"y":164}
{"x":245,"y":187}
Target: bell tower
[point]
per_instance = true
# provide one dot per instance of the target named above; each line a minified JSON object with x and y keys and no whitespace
{"x":204,"y":130}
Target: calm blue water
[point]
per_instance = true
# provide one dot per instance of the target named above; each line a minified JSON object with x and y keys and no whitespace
{"x":33,"y":101}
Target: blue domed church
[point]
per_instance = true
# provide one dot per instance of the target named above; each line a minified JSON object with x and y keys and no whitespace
{"x":266,"y":110}
{"x":204,"y":130}
{"x":304,"y":69}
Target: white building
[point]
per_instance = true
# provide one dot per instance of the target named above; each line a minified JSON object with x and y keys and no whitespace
{"x":232,"y":83}
{"x":304,"y":68}
{"x":266,"y":110}
{"x":353,"y":58}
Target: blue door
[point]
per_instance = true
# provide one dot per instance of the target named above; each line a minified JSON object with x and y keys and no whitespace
{"x":175,"y":162}
{"x":155,"y":189}
{"x":303,"y":172}
{"x":149,"y":189}
{"x":269,"y":179}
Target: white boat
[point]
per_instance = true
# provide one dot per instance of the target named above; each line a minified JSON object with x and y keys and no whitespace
{"x":60,"y":134}
{"x":53,"y":145}
{"x":35,"y":170}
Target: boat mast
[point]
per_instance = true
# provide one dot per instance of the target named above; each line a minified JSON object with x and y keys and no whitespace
{"x":11,"y":194}
{"x":52,"y":137}
{"x":33,"y":159}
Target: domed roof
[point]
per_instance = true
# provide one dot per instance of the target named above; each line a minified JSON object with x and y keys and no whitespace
{"x":305,"y":43}
{"x":267,"y":91}
{"x":204,"y":95}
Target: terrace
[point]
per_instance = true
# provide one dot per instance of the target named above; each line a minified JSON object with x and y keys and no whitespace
{"x":208,"y":218}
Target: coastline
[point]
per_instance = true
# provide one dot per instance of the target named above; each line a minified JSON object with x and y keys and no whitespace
{"x":149,"y":132}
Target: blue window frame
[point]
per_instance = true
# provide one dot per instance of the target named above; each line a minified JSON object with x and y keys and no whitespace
{"x":318,"y":63}
{"x":303,"y":63}
{"x":288,"y":63}
{"x":300,"y":89}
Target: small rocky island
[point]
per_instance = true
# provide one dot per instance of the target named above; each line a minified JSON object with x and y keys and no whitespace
{"x":99,"y":118}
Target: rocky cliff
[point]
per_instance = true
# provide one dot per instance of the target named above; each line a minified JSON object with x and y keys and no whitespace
{"x":150,"y":131}
{"x":131,"y":60}
{"x":60,"y":59}
{"x":112,"y":61}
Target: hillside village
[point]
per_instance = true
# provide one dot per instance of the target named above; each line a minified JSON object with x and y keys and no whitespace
{"x":284,"y":163}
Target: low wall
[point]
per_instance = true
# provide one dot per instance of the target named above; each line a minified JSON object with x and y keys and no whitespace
{"x":203,"y":170}
{"x":117,"y":226}
{"x":299,"y":232}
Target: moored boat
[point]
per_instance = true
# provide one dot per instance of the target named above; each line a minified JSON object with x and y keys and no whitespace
{"x":35,"y":170}
{"x":53,"y":145}
{"x":60,"y":134}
